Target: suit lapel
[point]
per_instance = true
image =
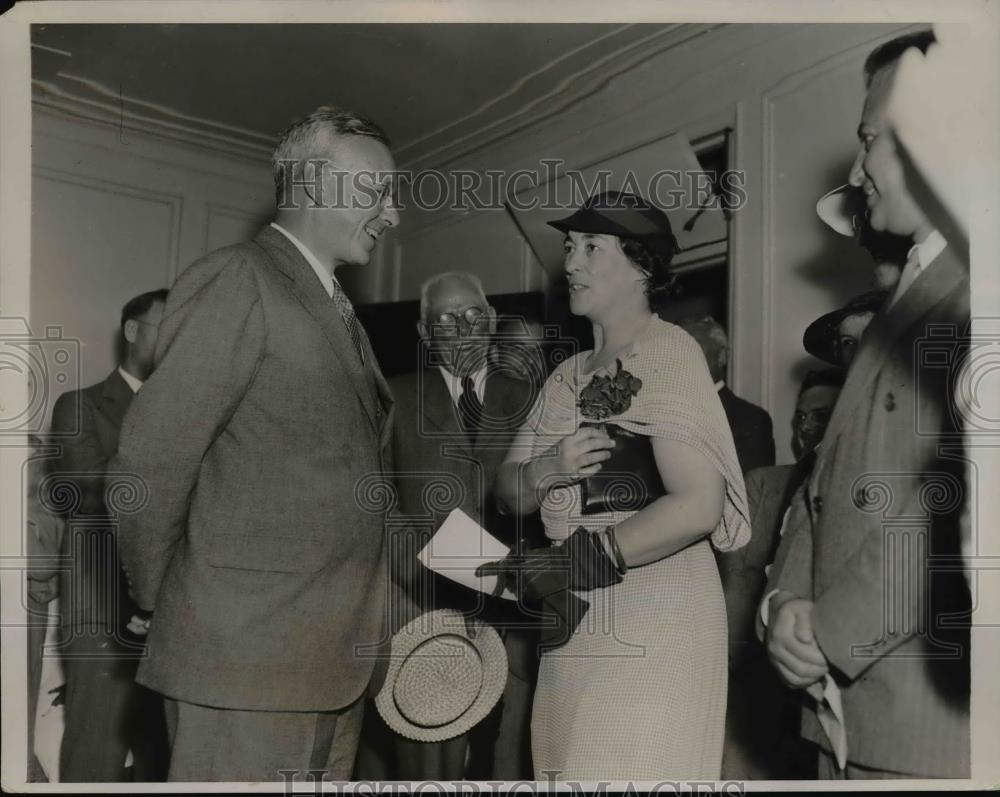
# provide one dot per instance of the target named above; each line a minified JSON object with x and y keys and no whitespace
{"x":930,"y":288}
{"x":500,"y":408}
{"x":307,"y":288}
{"x":438,"y":408}
{"x":116,"y":396}
{"x":383,"y":393}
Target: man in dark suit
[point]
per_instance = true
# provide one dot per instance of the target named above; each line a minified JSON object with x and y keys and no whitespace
{"x":751,"y":426}
{"x":456,"y":418}
{"x":762,"y":740}
{"x":257,"y":549}
{"x":106,"y":713}
{"x":856,"y":609}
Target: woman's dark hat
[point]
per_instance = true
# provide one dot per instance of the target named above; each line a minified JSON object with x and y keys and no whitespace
{"x":820,"y":336}
{"x":622,"y":214}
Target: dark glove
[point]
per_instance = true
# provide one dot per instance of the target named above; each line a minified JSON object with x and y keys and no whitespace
{"x":581,"y":563}
{"x":544,"y":576}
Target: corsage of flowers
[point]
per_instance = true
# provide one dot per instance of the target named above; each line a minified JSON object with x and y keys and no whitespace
{"x":609,"y":395}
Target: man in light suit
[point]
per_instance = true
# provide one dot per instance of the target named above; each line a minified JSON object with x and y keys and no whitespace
{"x":107,"y":714}
{"x":751,"y":426}
{"x":762,"y":740}
{"x":456,"y":418}
{"x":856,"y":608}
{"x":254,"y":549}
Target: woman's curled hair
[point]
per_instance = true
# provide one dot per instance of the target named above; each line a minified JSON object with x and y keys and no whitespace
{"x":654,"y":261}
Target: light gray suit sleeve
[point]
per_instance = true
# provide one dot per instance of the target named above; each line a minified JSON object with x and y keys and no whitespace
{"x":791,"y":570}
{"x":210,"y":341}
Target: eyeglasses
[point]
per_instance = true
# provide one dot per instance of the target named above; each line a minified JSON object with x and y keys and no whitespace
{"x":468,"y":321}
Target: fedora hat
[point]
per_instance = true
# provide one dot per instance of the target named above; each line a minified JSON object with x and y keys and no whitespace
{"x":843,"y":209}
{"x":820,"y":335}
{"x":440,"y":681}
{"x":625,"y":215}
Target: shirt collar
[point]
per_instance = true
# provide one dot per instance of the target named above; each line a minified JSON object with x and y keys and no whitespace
{"x":928,"y":249}
{"x":719,"y":385}
{"x":919,"y":257}
{"x":130,"y":380}
{"x":454,"y":383}
{"x":325,"y":276}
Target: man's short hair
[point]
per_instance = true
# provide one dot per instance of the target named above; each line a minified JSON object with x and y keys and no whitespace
{"x":302,"y":141}
{"x":713,"y":341}
{"x":824,"y":377}
{"x":891,"y":51}
{"x":428,"y":284}
{"x":140,"y":305}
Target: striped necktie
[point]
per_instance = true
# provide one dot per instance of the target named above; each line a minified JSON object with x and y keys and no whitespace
{"x":350,"y":318}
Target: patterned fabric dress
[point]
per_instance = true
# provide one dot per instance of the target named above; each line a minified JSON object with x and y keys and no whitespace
{"x":639,"y":691}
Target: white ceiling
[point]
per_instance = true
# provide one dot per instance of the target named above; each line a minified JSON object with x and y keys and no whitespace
{"x":434,"y":88}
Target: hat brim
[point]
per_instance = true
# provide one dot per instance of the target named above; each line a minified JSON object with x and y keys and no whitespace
{"x":595,"y":224}
{"x":837,"y":209}
{"x":487,"y":643}
{"x":818,"y":339}
{"x":589,"y":220}
{"x":819,"y":335}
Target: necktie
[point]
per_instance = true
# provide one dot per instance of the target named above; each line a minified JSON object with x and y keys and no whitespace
{"x":470,"y":408}
{"x":910,"y":272}
{"x":350,"y":318}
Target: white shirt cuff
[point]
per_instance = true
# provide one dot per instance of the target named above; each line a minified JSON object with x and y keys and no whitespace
{"x":765,"y":606}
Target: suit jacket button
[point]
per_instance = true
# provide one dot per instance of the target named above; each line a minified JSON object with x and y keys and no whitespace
{"x":890,"y":402}
{"x":817,"y":504}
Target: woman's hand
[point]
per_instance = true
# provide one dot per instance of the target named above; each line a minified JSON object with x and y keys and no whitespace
{"x":544,"y":577}
{"x":578,"y":455}
{"x":581,"y":563}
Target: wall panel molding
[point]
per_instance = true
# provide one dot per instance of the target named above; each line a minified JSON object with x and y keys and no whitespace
{"x":174,"y":203}
{"x":218,"y":210}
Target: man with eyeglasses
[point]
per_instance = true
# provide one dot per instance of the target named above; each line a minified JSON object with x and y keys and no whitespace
{"x":107,"y":714}
{"x":456,"y":418}
{"x":257,"y":552}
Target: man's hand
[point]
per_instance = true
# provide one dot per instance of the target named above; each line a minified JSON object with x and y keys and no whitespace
{"x":43,"y":591}
{"x":791,"y":644}
{"x":139,"y":624}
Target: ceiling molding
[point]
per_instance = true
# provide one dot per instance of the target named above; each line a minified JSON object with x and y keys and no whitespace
{"x":568,"y":80}
{"x":546,"y":92}
{"x":90,"y":101}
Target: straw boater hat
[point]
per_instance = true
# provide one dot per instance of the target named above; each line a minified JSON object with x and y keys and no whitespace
{"x":843,"y":209}
{"x":440,"y":682}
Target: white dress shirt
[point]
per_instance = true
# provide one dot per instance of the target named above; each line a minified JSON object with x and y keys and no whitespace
{"x":454,"y":384}
{"x":919,"y":257}
{"x":324,"y":276}
{"x":130,"y":380}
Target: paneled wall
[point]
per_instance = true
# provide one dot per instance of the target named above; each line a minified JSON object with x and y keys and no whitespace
{"x":115,"y":214}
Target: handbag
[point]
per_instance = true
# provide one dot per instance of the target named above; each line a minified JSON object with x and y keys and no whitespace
{"x":628,"y":481}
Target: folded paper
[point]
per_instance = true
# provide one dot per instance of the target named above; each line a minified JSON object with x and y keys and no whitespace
{"x":458,"y":547}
